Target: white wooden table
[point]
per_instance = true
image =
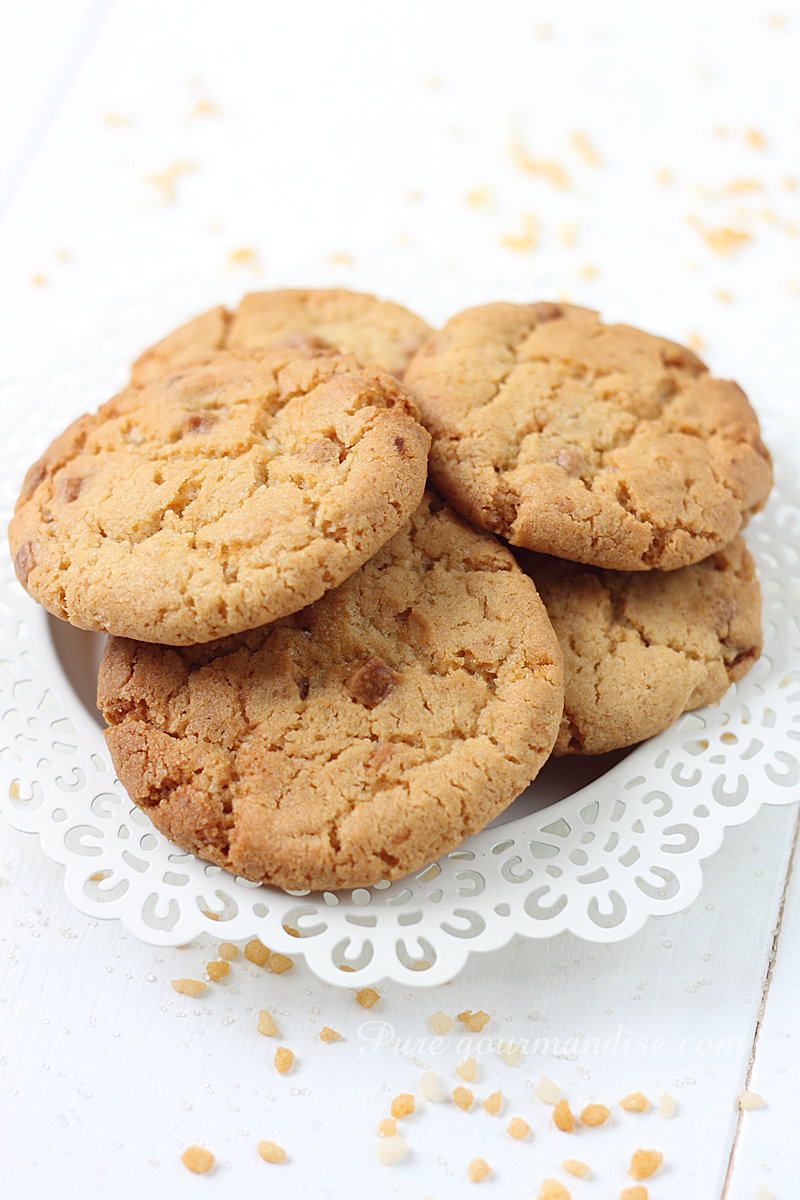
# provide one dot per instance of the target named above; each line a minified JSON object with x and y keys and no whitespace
{"x":636,"y":158}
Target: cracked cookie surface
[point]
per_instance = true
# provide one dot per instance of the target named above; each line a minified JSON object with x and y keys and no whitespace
{"x":640,"y":649}
{"x":221,"y":497}
{"x":597,"y":443}
{"x":358,"y":739}
{"x":375,"y":331}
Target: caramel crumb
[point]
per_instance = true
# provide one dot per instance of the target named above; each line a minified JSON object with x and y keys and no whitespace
{"x":547,"y":1090}
{"x":440,"y":1023}
{"x":747,"y":1100}
{"x":188,"y":987}
{"x":228,"y":951}
{"x":256,"y":952}
{"x":636,"y":1102}
{"x":510,"y":1053}
{"x":341,"y":260}
{"x":402,"y":1105}
{"x":474,"y":1021}
{"x":478,"y":1169}
{"x":246,"y":256}
{"x":595,"y":1114}
{"x":667,"y":1106}
{"x":328,"y":1035}
{"x":387,"y":1127}
{"x":266,"y":1025}
{"x":271,"y":1152}
{"x":391,"y":1148}
{"x":462,"y":1097}
{"x":371,"y":682}
{"x":429,"y":1086}
{"x":644,"y":1163}
{"x":216,"y":970}
{"x":278,"y":963}
{"x":492,"y":1103}
{"x":197,"y":1159}
{"x":344,"y":967}
{"x":283,"y":1060}
{"x":551,"y":1189}
{"x":467,"y":1069}
{"x":39,"y":280}
{"x":550,"y":171}
{"x":563,"y":1117}
{"x":367,"y":997}
{"x":524,"y":241}
{"x":576,"y":1167}
{"x":165,"y":181}
{"x":582,"y":146}
{"x":634,"y":1193}
{"x":518,"y":1128}
{"x":755,"y":140}
{"x":725,"y":241}
{"x":212,"y":916}
{"x":480,"y":197}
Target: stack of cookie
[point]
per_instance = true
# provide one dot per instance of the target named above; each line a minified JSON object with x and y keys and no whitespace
{"x":321,"y":675}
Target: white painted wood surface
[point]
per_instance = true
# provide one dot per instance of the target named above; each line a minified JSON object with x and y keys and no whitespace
{"x":325,"y":139}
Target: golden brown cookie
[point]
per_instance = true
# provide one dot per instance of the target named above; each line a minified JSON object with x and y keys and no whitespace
{"x":221,"y":497}
{"x":592,"y":442}
{"x":375,"y":331}
{"x":358,"y":739}
{"x":640,"y":649}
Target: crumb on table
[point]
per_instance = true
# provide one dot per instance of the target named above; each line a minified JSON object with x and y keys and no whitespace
{"x":278,"y":963}
{"x":197,"y":1159}
{"x":387,"y":1127}
{"x":256,"y":952}
{"x":283,"y":1059}
{"x":478,"y":1169}
{"x":402,"y":1105}
{"x":189,"y":987}
{"x":474,"y":1021}
{"x":552,"y":1189}
{"x":228,"y":951}
{"x":326,"y":1034}
{"x":576,"y":1167}
{"x":266,"y":1025}
{"x":467,"y":1069}
{"x":391,"y":1148}
{"x":644,"y":1163}
{"x":750,"y":1100}
{"x":217,"y":969}
{"x":595,"y":1114}
{"x":367,"y":997}
{"x":440,"y":1023}
{"x":563,"y":1117}
{"x":518,"y":1128}
{"x":462,"y":1097}
{"x":429,"y":1086}
{"x":634,"y":1193}
{"x":547,"y":1091}
{"x":492,"y":1103}
{"x":271,"y":1152}
{"x":636,"y":1102}
{"x":667,"y":1106}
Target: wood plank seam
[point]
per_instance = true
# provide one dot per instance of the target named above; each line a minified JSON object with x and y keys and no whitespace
{"x":763,"y":1002}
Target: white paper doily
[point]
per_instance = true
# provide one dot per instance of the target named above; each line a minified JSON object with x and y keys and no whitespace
{"x":599,"y":862}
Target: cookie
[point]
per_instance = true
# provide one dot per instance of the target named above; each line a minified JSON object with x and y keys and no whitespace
{"x":358,"y":739}
{"x":375,"y":331}
{"x":640,"y":649}
{"x":596,"y":443}
{"x":218,"y":498}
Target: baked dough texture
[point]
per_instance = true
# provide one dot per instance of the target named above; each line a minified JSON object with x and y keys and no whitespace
{"x":375,"y":331}
{"x":597,"y":443}
{"x":640,"y":649}
{"x":221,"y":497}
{"x":356,"y":740}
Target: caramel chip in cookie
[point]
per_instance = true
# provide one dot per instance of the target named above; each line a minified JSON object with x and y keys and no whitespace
{"x":358,"y":739}
{"x":220,"y":497}
{"x":597,"y":443}
{"x":306,"y":319}
{"x":640,"y":649}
